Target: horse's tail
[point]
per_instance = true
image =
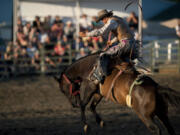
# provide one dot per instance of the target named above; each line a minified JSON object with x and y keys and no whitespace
{"x":170,"y":95}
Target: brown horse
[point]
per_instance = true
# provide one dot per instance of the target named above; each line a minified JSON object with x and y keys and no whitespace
{"x":148,"y":98}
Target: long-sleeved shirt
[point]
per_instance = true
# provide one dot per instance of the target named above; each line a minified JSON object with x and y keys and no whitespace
{"x":109,"y":26}
{"x":117,"y":26}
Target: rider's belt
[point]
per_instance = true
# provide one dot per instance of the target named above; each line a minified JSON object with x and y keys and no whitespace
{"x":126,"y":41}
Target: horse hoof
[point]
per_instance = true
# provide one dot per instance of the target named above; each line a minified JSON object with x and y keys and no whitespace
{"x":86,"y":128}
{"x":102,"y":124}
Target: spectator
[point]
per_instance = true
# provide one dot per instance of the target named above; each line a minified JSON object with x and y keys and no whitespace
{"x":23,"y":61}
{"x":69,"y":30}
{"x":23,"y":57}
{"x":133,"y":21}
{"x":59,"y":49}
{"x":81,"y":54}
{"x":19,"y":23}
{"x":36,"y":61}
{"x":58,"y":20}
{"x":65,"y":41}
{"x":37,"y":23}
{"x":8,"y":59}
{"x":49,"y":63}
{"x":31,"y":50}
{"x":94,"y":24}
{"x":8,"y":55}
{"x":34,"y":42}
{"x":48,"y":47}
{"x":80,"y":43}
{"x":56,"y":31}
{"x":43,"y":36}
{"x":22,"y":39}
{"x":27,"y":29}
{"x":86,"y":47}
{"x":84,"y":22}
{"x":32,"y":36}
{"x":67,"y":53}
{"x":133,"y":24}
{"x":47,"y":23}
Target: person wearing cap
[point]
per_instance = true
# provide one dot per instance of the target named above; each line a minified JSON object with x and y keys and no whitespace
{"x":125,"y":44}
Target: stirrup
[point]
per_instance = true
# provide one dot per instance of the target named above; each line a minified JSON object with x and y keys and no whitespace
{"x":96,"y":76}
{"x":94,"y":79}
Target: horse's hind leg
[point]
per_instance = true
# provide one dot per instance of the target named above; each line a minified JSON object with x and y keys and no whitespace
{"x":96,"y":99}
{"x":150,"y":124}
{"x":165,"y":121}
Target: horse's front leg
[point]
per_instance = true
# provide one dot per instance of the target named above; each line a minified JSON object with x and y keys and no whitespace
{"x":89,"y":90}
{"x":96,"y":99}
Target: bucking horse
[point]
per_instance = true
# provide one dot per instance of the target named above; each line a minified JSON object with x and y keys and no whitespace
{"x":125,"y":86}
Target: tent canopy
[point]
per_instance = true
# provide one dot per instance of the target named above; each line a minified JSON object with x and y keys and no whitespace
{"x":31,"y":8}
{"x":72,"y":8}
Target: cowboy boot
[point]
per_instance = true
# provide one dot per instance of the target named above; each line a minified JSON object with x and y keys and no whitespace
{"x":105,"y":65}
{"x":97,"y":75}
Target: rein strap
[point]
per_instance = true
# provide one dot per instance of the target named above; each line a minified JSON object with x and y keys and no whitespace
{"x":70,"y":87}
{"x":112,"y":84}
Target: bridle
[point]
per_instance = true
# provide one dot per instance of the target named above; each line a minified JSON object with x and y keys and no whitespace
{"x":72,"y":93}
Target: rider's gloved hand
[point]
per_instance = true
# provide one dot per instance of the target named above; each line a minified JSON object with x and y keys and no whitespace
{"x":109,"y":43}
{"x":82,"y":34}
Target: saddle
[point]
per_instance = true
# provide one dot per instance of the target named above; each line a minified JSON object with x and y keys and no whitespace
{"x":107,"y":89}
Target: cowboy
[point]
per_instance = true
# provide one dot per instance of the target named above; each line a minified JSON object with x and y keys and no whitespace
{"x":123,"y":37}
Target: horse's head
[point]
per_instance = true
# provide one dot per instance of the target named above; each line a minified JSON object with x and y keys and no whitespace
{"x":70,"y":88}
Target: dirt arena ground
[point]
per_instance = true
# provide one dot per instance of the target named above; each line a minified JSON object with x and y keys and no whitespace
{"x":34,"y":106}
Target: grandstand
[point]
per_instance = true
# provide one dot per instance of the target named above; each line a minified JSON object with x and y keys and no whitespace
{"x":45,"y":39}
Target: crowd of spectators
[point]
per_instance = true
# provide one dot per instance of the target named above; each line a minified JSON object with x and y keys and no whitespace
{"x":45,"y":40}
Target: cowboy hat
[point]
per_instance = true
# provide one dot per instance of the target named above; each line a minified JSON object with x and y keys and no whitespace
{"x":103,"y":13}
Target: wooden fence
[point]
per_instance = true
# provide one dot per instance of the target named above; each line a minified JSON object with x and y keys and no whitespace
{"x":162,"y":56}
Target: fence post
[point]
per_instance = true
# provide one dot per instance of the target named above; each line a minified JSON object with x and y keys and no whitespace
{"x":152,"y":58}
{"x":70,"y":56}
{"x":42,"y":63}
{"x":156,"y":46}
{"x":179,"y":54}
{"x":169,"y":52}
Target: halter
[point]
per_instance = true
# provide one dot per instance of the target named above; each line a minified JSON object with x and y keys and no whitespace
{"x":70,"y":86}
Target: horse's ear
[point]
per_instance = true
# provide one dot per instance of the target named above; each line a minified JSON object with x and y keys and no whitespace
{"x":57,"y":79}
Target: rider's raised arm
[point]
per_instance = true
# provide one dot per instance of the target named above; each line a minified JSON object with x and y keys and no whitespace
{"x":115,"y":39}
{"x":110,"y":25}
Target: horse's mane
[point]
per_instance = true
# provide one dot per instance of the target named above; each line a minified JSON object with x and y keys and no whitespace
{"x":81,"y":59}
